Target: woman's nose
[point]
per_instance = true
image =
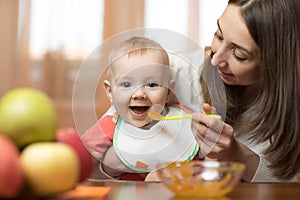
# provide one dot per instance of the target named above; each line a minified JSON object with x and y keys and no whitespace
{"x":139,"y":93}
{"x":219,"y":58}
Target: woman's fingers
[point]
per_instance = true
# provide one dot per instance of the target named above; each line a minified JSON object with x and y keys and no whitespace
{"x":208,"y":109}
{"x":213,"y":135}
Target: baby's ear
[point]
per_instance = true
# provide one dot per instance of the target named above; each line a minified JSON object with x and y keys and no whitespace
{"x":171,"y":89}
{"x":107,"y":88}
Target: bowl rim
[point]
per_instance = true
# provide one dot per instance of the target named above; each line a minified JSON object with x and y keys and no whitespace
{"x":206,"y":165}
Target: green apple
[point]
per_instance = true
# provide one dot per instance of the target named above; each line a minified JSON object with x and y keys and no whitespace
{"x":27,"y":115}
{"x":50,"y":167}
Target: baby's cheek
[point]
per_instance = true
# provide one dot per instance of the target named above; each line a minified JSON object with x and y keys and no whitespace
{"x":158,"y":97}
{"x":122,"y":95}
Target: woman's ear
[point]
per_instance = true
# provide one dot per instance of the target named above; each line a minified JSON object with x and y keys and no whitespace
{"x":108,"y":91}
{"x":171,"y":89}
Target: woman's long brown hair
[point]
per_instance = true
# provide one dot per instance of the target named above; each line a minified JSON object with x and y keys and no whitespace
{"x":274,"y":113}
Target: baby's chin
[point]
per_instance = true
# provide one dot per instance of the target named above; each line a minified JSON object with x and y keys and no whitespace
{"x":139,"y":123}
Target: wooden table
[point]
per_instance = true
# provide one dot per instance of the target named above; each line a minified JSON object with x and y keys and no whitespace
{"x":157,"y":191}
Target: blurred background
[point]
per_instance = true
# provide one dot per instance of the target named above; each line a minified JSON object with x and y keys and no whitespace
{"x":44,"y":42}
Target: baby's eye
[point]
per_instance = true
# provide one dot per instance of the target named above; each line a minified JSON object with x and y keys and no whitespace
{"x":126,"y":84}
{"x":152,"y":84}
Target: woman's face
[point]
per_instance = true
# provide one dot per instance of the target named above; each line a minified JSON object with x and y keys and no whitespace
{"x":236,"y":55}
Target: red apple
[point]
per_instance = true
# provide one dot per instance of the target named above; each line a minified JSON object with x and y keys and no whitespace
{"x":11,"y":174}
{"x":50,"y":167}
{"x":71,"y":137}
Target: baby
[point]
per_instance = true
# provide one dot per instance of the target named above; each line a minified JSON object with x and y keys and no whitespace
{"x":126,"y":142}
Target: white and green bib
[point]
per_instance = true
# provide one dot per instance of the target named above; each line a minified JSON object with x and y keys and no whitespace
{"x":167,"y":141}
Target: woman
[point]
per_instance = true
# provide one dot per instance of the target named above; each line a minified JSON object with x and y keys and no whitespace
{"x":256,"y":55}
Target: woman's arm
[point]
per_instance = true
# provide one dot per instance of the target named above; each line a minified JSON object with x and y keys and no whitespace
{"x":238,"y":152}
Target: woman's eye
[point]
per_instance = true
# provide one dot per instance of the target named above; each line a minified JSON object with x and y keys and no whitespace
{"x":218,"y":36}
{"x":238,"y":56}
{"x":126,"y":84}
{"x":151,"y":85}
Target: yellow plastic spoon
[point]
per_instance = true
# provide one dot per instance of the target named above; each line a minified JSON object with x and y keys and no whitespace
{"x":157,"y":116}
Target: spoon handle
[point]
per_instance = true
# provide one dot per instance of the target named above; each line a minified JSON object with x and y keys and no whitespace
{"x":183,"y":116}
{"x":214,"y":116}
{"x":188,"y":116}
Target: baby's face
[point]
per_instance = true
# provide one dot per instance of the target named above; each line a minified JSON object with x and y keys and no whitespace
{"x":137,"y":83}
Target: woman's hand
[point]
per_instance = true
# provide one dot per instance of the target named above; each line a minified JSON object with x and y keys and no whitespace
{"x":217,"y":142}
{"x":213,"y":135}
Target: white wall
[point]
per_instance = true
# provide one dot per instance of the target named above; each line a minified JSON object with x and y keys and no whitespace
{"x":173,"y":15}
{"x":210,"y":11}
{"x":167,"y":14}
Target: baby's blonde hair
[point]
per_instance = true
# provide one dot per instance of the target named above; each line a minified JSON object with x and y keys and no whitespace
{"x":136,"y":46}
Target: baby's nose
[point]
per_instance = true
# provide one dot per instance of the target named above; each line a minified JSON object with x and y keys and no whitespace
{"x":139,"y":94}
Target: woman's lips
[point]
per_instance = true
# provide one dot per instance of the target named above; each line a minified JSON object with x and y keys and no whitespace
{"x":225,"y":75}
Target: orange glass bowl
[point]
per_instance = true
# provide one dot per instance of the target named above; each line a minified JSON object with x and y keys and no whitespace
{"x":201,"y":179}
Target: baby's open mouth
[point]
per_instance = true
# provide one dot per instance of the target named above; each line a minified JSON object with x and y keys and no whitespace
{"x":139,"y":109}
